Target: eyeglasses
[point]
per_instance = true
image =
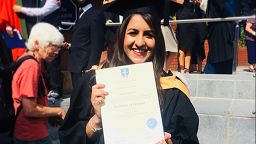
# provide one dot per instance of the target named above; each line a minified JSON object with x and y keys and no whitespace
{"x":52,"y":50}
{"x":56,"y":47}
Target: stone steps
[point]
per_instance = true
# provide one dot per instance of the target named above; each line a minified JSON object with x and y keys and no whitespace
{"x":226,"y":107}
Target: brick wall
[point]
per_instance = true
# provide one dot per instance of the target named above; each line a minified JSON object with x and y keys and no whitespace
{"x":242,"y":57}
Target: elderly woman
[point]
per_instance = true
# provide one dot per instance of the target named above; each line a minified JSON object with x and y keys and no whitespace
{"x":28,"y":87}
{"x":139,"y":39}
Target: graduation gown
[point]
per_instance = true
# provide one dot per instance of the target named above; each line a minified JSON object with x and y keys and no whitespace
{"x":220,"y":34}
{"x":178,"y":114}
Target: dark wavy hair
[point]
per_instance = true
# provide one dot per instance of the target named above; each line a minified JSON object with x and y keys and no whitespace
{"x":117,"y":56}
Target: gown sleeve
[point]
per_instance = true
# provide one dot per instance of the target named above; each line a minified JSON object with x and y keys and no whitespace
{"x":79,"y":113}
{"x":179,"y":117}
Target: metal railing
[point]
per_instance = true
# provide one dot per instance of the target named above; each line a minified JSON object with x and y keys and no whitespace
{"x":235,"y":19}
{"x":187,"y":20}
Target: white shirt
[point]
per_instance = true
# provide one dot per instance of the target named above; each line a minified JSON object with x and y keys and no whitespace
{"x":85,"y":8}
{"x":49,"y":7}
{"x":203,"y":5}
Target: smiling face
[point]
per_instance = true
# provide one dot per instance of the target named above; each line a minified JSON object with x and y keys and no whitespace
{"x":139,"y":40}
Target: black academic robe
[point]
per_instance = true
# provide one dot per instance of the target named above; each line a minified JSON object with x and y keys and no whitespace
{"x":220,"y":34}
{"x":179,"y":116}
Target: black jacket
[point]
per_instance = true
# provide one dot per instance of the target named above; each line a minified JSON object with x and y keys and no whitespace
{"x":87,"y":41}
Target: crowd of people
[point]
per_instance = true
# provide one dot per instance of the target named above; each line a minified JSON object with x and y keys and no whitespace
{"x":140,"y":38}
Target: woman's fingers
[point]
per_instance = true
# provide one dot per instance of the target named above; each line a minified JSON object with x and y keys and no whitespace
{"x":66,"y":45}
{"x":17,"y":8}
{"x":98,"y":86}
{"x":99,"y":100}
{"x":167,"y":137}
{"x":97,"y":90}
{"x":98,"y":94}
{"x":9,"y":30}
{"x":162,"y":142}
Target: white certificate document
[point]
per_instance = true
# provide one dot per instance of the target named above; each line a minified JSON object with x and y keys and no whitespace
{"x":131,"y":113}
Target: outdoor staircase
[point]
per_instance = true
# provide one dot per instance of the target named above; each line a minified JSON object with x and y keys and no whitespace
{"x":225,"y":105}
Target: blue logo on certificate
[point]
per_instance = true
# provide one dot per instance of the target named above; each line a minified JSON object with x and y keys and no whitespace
{"x":151,"y":123}
{"x":125,"y":72}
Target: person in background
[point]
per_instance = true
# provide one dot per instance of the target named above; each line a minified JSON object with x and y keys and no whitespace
{"x":251,"y":41}
{"x":220,"y":37}
{"x":139,"y":39}
{"x":110,"y":30}
{"x":49,"y":7}
{"x":171,"y":45}
{"x":87,"y":40}
{"x":5,"y":60}
{"x":198,"y":50}
{"x":49,"y":12}
{"x":10,"y":22}
{"x":28,"y":87}
{"x":188,"y":35}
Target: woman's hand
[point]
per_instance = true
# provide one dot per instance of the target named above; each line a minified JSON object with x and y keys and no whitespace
{"x":249,"y":29}
{"x":97,"y":98}
{"x":167,"y":139}
{"x":61,"y":113}
{"x":66,"y":45}
{"x":17,"y":8}
{"x":9,"y":30}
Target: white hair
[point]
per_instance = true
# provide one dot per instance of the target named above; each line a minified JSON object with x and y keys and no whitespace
{"x":45,"y":34}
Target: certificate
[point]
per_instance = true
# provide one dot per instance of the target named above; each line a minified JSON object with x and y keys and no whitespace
{"x":131,"y":113}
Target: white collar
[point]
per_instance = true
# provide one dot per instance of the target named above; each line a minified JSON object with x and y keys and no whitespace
{"x":85,"y":8}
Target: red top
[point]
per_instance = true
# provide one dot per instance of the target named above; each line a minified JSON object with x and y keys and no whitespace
{"x":25,"y":84}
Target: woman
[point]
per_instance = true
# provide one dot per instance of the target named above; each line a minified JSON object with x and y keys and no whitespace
{"x":188,"y":35}
{"x":251,"y":42}
{"x":139,"y":39}
{"x":29,"y":91}
{"x":49,"y":13}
